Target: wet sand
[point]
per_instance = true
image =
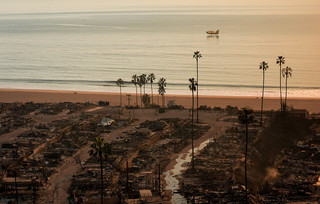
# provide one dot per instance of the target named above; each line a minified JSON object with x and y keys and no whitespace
{"x":18,"y":95}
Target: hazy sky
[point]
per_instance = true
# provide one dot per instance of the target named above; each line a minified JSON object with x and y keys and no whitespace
{"x":30,"y":6}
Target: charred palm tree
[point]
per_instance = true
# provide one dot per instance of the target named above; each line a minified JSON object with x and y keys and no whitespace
{"x":280,"y":61}
{"x":135,"y":82}
{"x":246,"y":117}
{"x":193,"y":88}
{"x":286,"y":72}
{"x":263,"y":66}
{"x":197,"y":55}
{"x":120,"y":83}
{"x":101,"y":150}
{"x":151,"y":78}
{"x":162,"y":89}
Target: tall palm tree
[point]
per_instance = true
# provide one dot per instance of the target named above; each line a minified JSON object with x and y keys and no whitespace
{"x":151,"y":78}
{"x":144,"y":81}
{"x":193,"y":88}
{"x":286,"y":72}
{"x":100,"y":149}
{"x":162,"y":88}
{"x":135,"y":82}
{"x":140,"y":83}
{"x":263,"y":66}
{"x":245,"y":117}
{"x":120,"y":83}
{"x":280,"y":61}
{"x":197,"y":55}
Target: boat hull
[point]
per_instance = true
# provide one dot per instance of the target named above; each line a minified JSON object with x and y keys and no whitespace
{"x":213,"y":32}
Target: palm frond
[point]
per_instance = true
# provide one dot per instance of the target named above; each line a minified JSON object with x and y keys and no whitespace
{"x":263,"y":66}
{"x":197,"y":55}
{"x":246,"y":115}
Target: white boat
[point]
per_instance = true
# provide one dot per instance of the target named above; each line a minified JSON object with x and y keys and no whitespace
{"x":213,"y":32}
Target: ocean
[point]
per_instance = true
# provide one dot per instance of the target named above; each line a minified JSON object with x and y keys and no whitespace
{"x":89,"y":51}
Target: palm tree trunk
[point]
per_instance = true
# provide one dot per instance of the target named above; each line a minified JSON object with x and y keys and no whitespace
{"x":262,"y":97}
{"x":101,"y":174}
{"x":127,"y":177}
{"x":159,"y":182}
{"x":286,"y":90}
{"x":141,"y":96}
{"x":192,"y":131}
{"x":152,"y":94}
{"x":15,"y":174}
{"x":280,"y":90}
{"x":120,"y":97}
{"x":163,"y":101}
{"x":16,"y":185}
{"x":137,"y":95}
{"x":197,"y":93}
{"x":245,"y":163}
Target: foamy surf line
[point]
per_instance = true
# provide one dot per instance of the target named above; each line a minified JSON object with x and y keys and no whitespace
{"x":172,"y":88}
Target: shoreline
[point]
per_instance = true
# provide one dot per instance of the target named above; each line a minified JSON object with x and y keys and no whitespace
{"x":42,"y":96}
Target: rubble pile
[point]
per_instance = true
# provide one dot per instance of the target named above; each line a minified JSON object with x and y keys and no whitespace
{"x":298,"y":171}
{"x":17,"y":115}
{"x":150,"y":144}
{"x":55,"y":108}
{"x":213,"y":181}
{"x":28,"y":159}
{"x":20,"y":108}
{"x":154,"y":126}
{"x":291,"y":176}
{"x":12,"y":122}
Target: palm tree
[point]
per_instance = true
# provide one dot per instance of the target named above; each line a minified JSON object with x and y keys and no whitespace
{"x":100,"y":149}
{"x":135,"y":82}
{"x":286,"y":72}
{"x":120,"y":83}
{"x":263,"y":66}
{"x":280,"y":61}
{"x":162,"y":90}
{"x":144,"y":81}
{"x":197,"y":55}
{"x":246,"y":117}
{"x":151,"y":78}
{"x":193,"y":88}
{"x":140,"y":83}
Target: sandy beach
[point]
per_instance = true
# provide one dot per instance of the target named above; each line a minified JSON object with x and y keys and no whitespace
{"x":18,"y":95}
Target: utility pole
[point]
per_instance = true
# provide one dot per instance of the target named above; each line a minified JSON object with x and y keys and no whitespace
{"x":127,"y":178}
{"x":15,"y":173}
{"x":159,"y":178}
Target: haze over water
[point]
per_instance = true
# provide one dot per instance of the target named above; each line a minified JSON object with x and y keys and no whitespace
{"x":88,"y":51}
